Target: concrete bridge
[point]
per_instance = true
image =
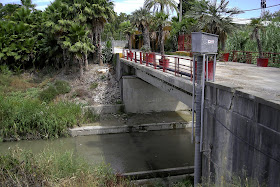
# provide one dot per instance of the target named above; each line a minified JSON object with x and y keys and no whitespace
{"x":241,"y":112}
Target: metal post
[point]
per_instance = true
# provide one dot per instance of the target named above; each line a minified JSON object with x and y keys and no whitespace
{"x":193,"y":96}
{"x":140,"y":57}
{"x":198,"y":95}
{"x":126,"y":54}
{"x":214,"y":67}
{"x":135,"y":57}
{"x":207,"y":67}
{"x":131,"y":55}
{"x":202,"y":103}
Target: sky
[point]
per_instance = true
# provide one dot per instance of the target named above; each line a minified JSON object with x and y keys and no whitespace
{"x":128,"y":6}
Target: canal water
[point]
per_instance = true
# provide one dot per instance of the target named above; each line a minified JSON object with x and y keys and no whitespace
{"x":126,"y":152}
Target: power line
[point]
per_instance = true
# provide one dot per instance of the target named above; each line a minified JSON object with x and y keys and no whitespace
{"x":260,"y":8}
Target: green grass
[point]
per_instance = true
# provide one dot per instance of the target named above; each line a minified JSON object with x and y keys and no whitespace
{"x":27,"y":118}
{"x":27,"y":111}
{"x":94,"y":85}
{"x":52,"y":168}
{"x":53,"y":90}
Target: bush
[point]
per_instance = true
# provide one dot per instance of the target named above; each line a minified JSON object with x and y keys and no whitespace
{"x":59,"y":87}
{"x":48,"y":94}
{"x":25,"y":118}
{"x":52,"y":168}
{"x":62,"y":87}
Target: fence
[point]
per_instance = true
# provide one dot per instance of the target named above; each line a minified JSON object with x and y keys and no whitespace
{"x":251,"y":57}
{"x":176,"y":65}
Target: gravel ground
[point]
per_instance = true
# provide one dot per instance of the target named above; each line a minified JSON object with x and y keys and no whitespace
{"x":98,"y":86}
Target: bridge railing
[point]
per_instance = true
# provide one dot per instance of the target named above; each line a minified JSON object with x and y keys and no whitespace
{"x":250,"y":57}
{"x":176,"y":65}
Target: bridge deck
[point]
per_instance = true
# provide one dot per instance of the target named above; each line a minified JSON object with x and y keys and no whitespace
{"x":259,"y":81}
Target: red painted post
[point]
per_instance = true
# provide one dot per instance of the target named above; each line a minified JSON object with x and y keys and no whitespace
{"x":163,"y":63}
{"x":126,"y":54}
{"x":147,"y":63}
{"x":140,"y":57}
{"x":154,"y":61}
{"x":135,"y":57}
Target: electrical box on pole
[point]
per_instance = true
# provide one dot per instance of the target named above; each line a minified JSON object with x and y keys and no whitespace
{"x":204,"y":46}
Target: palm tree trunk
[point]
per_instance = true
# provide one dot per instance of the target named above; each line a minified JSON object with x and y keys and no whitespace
{"x":129,"y":42}
{"x":146,"y":38}
{"x":86,"y":61}
{"x":259,"y":43}
{"x":99,"y":52}
{"x":80,"y":61}
{"x":161,"y":38}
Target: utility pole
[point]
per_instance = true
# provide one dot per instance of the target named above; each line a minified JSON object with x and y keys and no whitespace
{"x":181,"y":11}
{"x":263,"y":6}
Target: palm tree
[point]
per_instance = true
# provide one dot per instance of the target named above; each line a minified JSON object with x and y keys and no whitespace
{"x":141,"y":19}
{"x":128,"y":29}
{"x":257,"y":25}
{"x":161,"y":6}
{"x":102,"y":12}
{"x":160,"y":21}
{"x":215,"y":19}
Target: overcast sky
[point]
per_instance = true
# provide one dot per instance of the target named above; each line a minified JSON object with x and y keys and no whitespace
{"x":128,"y":6}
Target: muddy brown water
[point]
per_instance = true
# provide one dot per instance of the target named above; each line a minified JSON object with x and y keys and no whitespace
{"x":126,"y":152}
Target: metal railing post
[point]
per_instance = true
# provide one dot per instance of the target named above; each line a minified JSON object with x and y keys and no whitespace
{"x":140,"y":57}
{"x":126,"y":54}
{"x":135,"y":57}
{"x":147,"y":59}
{"x":154,"y":60}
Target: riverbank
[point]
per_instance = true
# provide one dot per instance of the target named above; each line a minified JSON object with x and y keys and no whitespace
{"x":51,"y":168}
{"x":45,"y":104}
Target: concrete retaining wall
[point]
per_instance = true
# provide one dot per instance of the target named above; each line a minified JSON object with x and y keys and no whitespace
{"x":106,"y":109}
{"x":244,"y":133}
{"x":141,"y":97}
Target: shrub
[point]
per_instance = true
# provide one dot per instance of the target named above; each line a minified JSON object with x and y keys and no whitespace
{"x":25,"y":118}
{"x":48,"y":94}
{"x":53,"y":168}
{"x":93,"y":85}
{"x":59,"y":87}
{"x":62,"y":87}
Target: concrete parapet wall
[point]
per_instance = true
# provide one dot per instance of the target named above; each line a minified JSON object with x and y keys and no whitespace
{"x":141,"y":97}
{"x":243,"y":130}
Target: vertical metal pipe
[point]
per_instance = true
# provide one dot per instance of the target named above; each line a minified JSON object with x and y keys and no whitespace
{"x":140,"y":57}
{"x":193,"y":96}
{"x":198,"y":91}
{"x":202,"y":103}
{"x":135,"y":57}
{"x":207,"y":57}
{"x":214,"y":67}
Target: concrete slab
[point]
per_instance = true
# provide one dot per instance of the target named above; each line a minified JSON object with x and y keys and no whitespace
{"x":260,"y":81}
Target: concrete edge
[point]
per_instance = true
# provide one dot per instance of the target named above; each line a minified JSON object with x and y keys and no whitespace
{"x":97,"y":130}
{"x":105,"y":109}
{"x":159,"y":173}
{"x":248,"y":94}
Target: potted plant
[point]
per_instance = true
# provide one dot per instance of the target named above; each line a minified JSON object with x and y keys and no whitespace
{"x":257,"y":25}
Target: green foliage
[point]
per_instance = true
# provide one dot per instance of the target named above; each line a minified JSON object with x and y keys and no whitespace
{"x":48,"y":94}
{"x":53,"y":168}
{"x":53,"y":90}
{"x":107,"y":52}
{"x":29,"y":118}
{"x":62,"y":87}
{"x":94,"y":85}
{"x":90,"y":116}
